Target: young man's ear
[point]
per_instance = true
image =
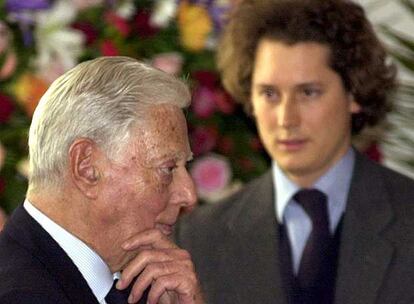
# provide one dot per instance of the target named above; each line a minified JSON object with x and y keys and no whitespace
{"x":354,"y":106}
{"x":83,"y":166}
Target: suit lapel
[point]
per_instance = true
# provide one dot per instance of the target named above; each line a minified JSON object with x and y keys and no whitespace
{"x":254,"y":240}
{"x":29,"y":234}
{"x":364,"y":253}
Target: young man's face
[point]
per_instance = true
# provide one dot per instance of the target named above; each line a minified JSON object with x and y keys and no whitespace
{"x":302,"y":109}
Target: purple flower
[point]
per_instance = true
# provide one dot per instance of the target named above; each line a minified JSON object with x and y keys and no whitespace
{"x":217,"y":10}
{"x":19,"y":5}
{"x":20,"y":12}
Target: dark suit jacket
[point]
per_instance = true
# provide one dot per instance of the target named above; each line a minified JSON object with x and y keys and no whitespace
{"x":34,"y":269}
{"x":234,"y":244}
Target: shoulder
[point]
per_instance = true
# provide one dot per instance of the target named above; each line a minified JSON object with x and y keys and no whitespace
{"x":27,"y":281}
{"x":30,"y":296}
{"x":373,"y":181}
{"x":212,"y":221}
{"x":389,"y":180}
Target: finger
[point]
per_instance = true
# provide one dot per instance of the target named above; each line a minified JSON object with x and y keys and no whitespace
{"x":152,"y":237}
{"x":183,"y":287}
{"x":146,"y":257}
{"x":154,"y":271}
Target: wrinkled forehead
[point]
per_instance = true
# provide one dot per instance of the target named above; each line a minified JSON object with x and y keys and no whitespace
{"x":162,"y":133}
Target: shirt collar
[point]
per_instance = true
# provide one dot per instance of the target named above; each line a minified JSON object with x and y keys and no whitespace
{"x":335,"y":184}
{"x":94,"y":270}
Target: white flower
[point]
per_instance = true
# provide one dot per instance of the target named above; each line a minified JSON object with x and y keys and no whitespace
{"x":126,"y":9}
{"x":23,"y":167}
{"x":164,"y":11}
{"x":55,"y":40}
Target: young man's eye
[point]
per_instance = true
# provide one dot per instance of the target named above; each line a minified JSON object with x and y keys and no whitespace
{"x":311,"y":92}
{"x":268,"y":93}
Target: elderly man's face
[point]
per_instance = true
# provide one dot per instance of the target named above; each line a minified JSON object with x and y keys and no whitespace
{"x":150,"y":184}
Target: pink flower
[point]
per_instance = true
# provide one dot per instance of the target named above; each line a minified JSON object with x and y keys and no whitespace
{"x":6,"y":108}
{"x":170,"y":63}
{"x":204,"y":104}
{"x":211,"y":173}
{"x":212,"y":176}
{"x":203,"y":139}
{"x":9,"y":65}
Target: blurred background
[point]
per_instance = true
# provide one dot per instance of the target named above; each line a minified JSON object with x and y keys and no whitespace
{"x":41,"y":39}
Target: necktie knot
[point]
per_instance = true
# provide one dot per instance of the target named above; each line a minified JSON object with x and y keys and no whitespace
{"x":116,"y":296}
{"x":314,"y":203}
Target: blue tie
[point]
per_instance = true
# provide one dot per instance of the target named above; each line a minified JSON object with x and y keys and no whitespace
{"x":116,"y":296}
{"x":315,"y":278}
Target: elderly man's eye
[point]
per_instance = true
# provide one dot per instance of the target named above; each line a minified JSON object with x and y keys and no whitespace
{"x":168,"y":169}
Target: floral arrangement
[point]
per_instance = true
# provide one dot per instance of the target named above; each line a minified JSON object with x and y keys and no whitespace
{"x":41,"y":39}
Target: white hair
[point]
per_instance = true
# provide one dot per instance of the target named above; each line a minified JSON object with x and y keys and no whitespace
{"x":100,"y":99}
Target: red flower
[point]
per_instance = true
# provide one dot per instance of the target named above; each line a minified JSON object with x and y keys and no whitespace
{"x":373,"y":152}
{"x":143,"y":26}
{"x":206,"y":78}
{"x":88,"y":30}
{"x":2,"y":185}
{"x":6,"y":108}
{"x":108,"y":48}
{"x":119,"y":23}
{"x":224,"y":102}
{"x":226,"y":145}
{"x":204,"y":104}
{"x":246,"y":164}
{"x":203,"y":139}
{"x":255,"y":143}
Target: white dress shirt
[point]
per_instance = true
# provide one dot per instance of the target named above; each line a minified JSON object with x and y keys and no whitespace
{"x":90,"y":264}
{"x":335,"y":184}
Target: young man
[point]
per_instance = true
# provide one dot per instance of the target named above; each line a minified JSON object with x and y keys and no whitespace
{"x":108,"y":148}
{"x":325,"y":224}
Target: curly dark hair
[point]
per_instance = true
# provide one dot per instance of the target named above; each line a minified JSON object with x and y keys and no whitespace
{"x":356,"y":53}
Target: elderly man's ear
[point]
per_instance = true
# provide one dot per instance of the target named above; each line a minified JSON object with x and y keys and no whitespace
{"x":85,"y":173}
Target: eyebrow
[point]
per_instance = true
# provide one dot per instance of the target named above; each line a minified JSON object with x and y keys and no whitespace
{"x":298,"y":85}
{"x":175,"y":156}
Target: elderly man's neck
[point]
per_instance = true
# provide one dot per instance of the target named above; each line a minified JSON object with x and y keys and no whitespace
{"x":71,"y":211}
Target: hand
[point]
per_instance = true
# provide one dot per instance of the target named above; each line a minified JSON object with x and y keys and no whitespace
{"x":163,"y":265}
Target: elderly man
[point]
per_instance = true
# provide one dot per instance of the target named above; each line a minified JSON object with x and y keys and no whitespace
{"x":108,"y":152}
